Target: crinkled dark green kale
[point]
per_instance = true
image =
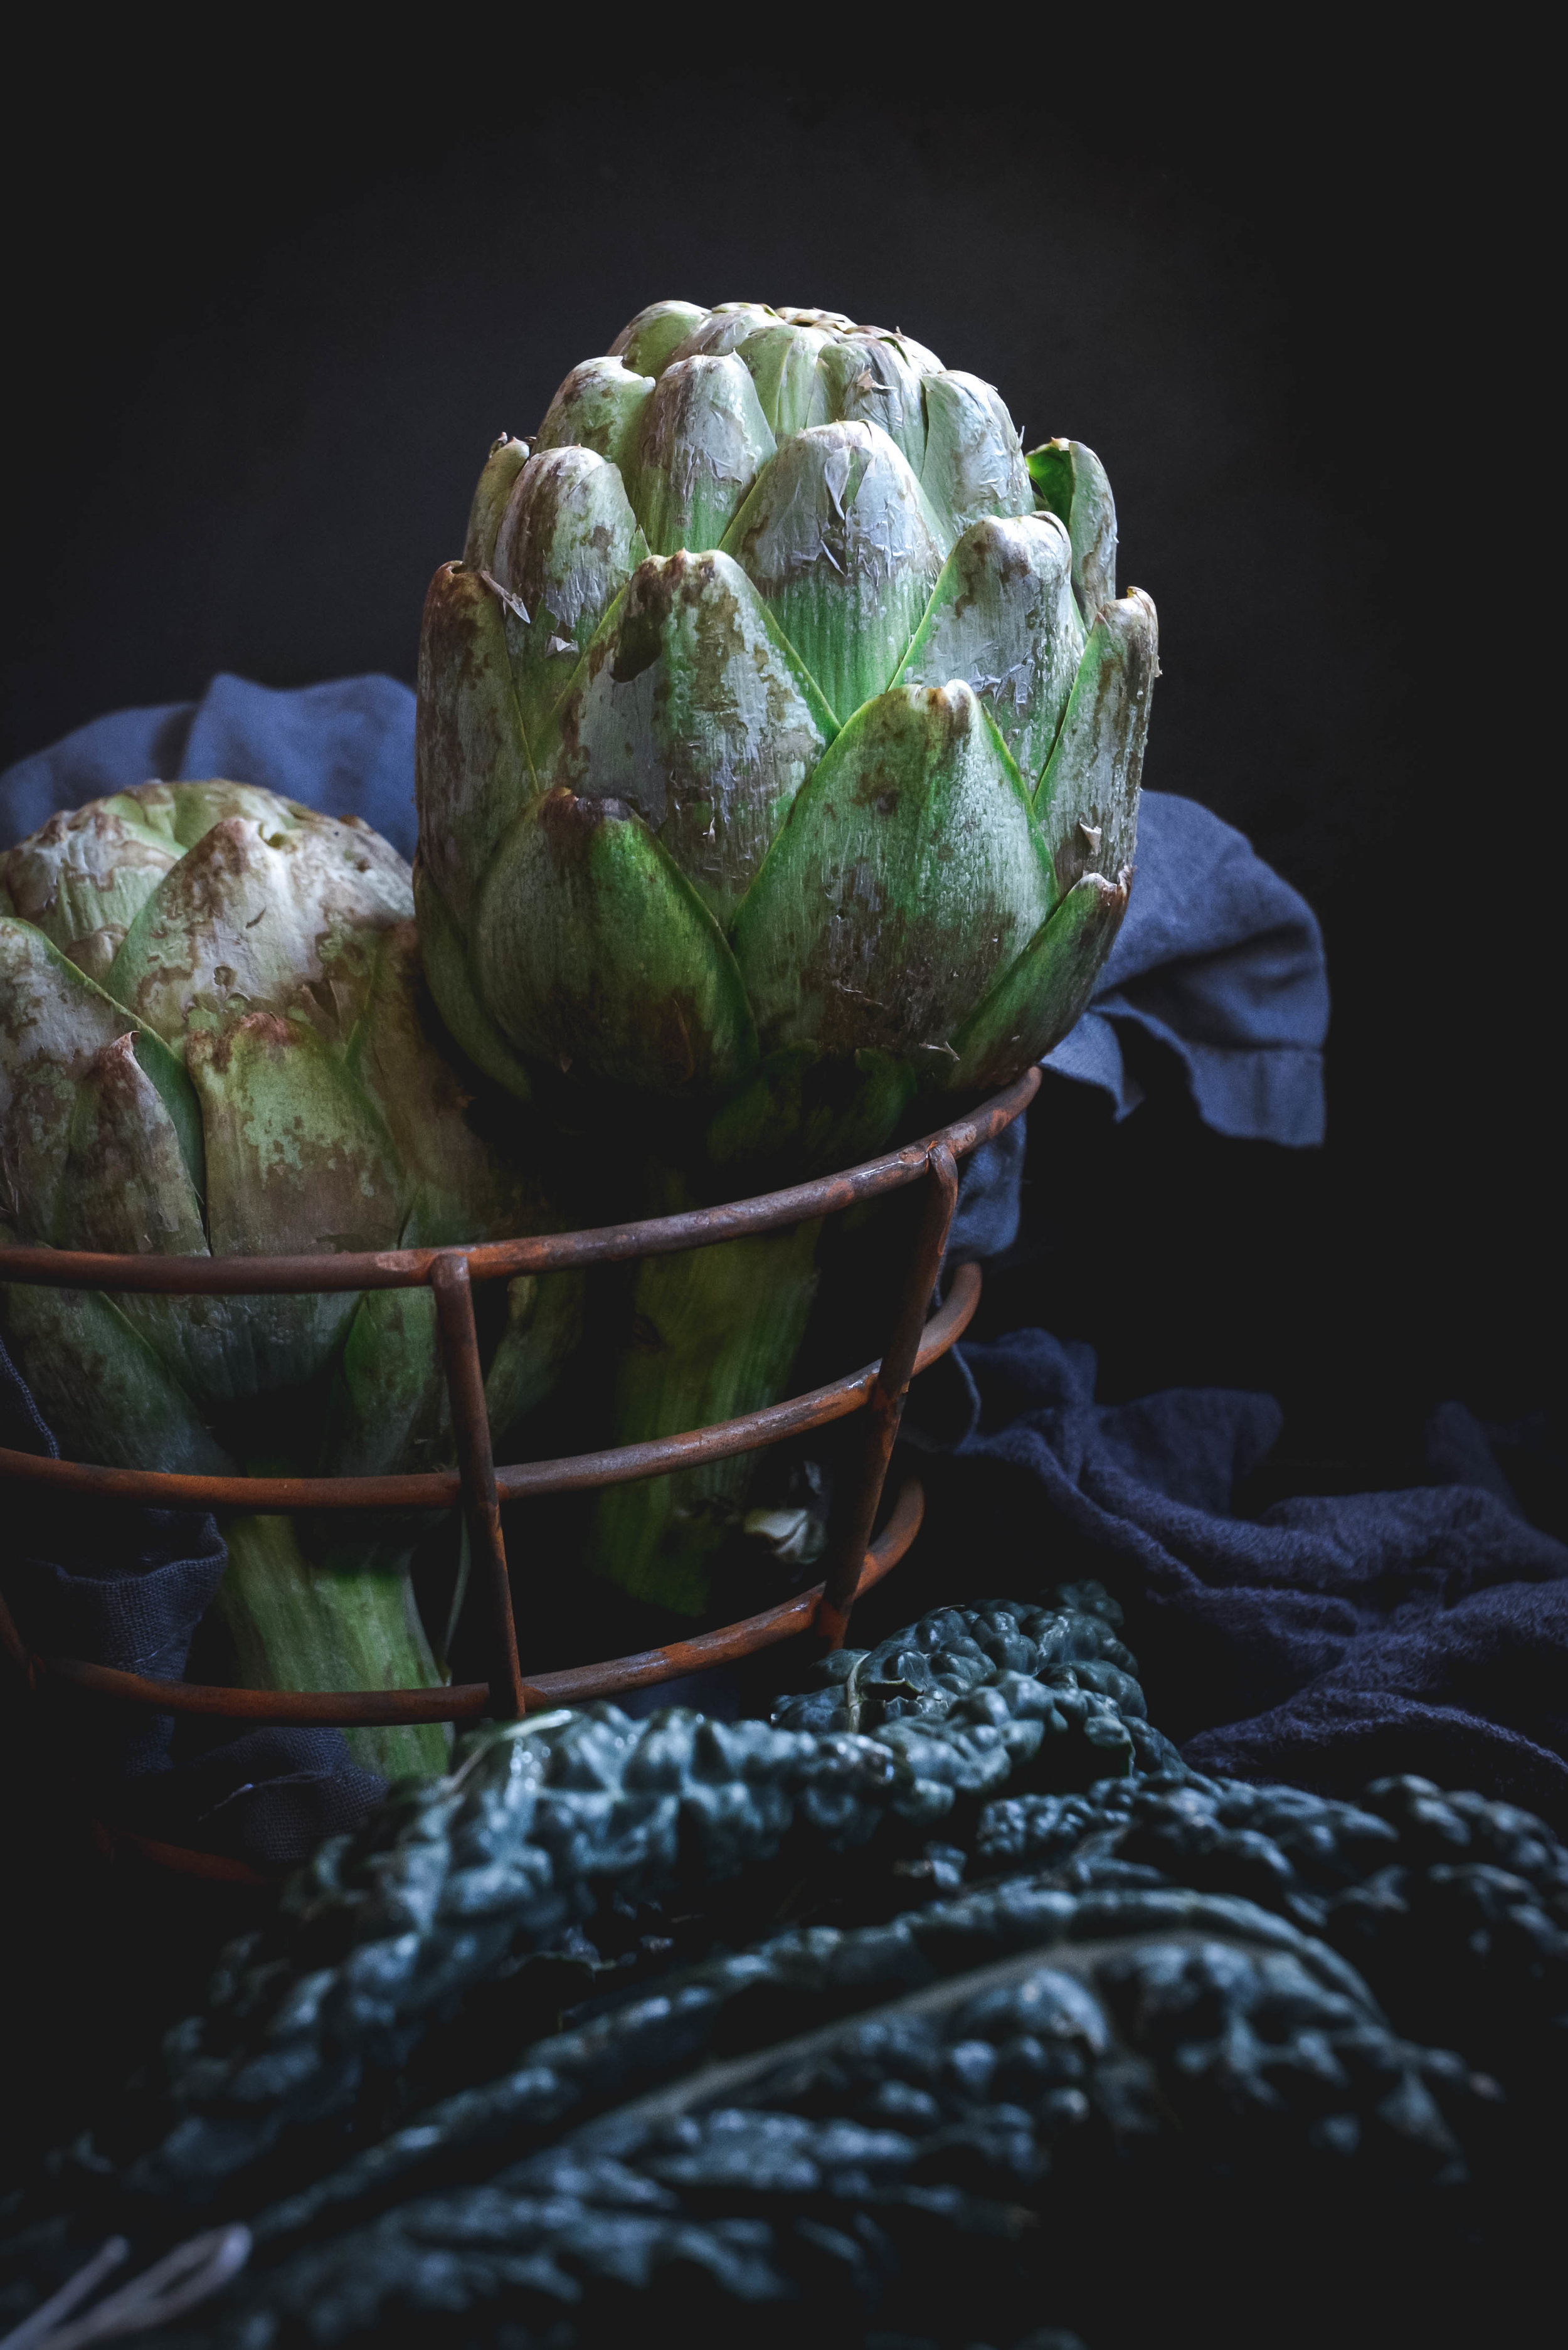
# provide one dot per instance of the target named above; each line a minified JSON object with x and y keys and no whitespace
{"x":915,"y":2172}
{"x":433,"y":1944}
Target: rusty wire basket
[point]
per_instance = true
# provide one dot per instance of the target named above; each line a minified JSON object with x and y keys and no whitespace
{"x":853,"y":1561}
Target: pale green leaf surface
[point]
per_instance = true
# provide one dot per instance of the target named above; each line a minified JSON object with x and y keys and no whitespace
{"x":1086,"y":805}
{"x":595,"y":951}
{"x":471,"y":771}
{"x":702,"y":442}
{"x":908,"y":875}
{"x":692,"y":707}
{"x":648,"y":344}
{"x":1036,"y":1002}
{"x":974,"y":464}
{"x":1070,"y":480}
{"x":566,"y":548}
{"x":1004,"y":618}
{"x":598,"y":406}
{"x":502,"y":467}
{"x":839,"y":544}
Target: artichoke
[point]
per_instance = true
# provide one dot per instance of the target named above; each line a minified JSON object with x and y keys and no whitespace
{"x":779,"y":744}
{"x":217,"y":1038}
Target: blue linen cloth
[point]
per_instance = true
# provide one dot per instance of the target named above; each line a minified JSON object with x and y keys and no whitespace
{"x":1220,"y":961}
{"x":1328,"y":1641}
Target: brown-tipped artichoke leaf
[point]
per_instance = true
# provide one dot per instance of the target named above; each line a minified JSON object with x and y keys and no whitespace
{"x":445,"y":957}
{"x":693,"y":708}
{"x":258,"y":920}
{"x":841,"y":546}
{"x":598,"y":406}
{"x":1086,"y":805}
{"x":566,"y":547}
{"x":648,"y":344}
{"x":721,"y":330}
{"x":1070,"y":481}
{"x":54,"y":1022}
{"x":179,"y":813}
{"x":472,"y":770}
{"x":492,"y":494}
{"x":869,"y":378}
{"x":1036,"y":1003}
{"x":1004,"y":618}
{"x":974,"y":464}
{"x":298,"y":1163}
{"x":126,"y":1186}
{"x":908,"y":875}
{"x":597,"y":955}
{"x":702,"y":442}
{"x":83,"y":879}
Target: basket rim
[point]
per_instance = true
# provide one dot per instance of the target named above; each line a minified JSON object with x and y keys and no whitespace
{"x":854,"y":1560}
{"x":694,"y":1228}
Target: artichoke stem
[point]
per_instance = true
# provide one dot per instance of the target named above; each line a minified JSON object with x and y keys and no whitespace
{"x":715,"y":1334}
{"x":294,"y":1625}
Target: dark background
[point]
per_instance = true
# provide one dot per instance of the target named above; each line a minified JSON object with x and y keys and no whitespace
{"x":258,"y":344}
{"x":269,"y":339}
{"x":267,"y":350}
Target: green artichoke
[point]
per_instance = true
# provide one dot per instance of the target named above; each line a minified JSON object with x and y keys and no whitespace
{"x":217,"y":1038}
{"x":780,"y":735}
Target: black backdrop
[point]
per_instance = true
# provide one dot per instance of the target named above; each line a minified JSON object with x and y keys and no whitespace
{"x":258,"y":342}
{"x":267,"y":340}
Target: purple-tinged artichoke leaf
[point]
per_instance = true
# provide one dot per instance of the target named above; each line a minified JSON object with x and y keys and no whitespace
{"x":647,"y":345}
{"x":1086,"y":805}
{"x":445,"y":958}
{"x":1034,"y":1003}
{"x":566,"y":547}
{"x":974,"y":464}
{"x":700,"y":444}
{"x":841,"y":546}
{"x":471,"y":771}
{"x":505,"y":462}
{"x":598,"y":406}
{"x":1004,"y":618}
{"x":1071,"y":483}
{"x":693,"y":708}
{"x":598,"y":954}
{"x":908,"y":875}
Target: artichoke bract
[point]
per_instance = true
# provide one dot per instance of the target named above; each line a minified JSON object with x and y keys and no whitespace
{"x":217,"y":1039}
{"x":779,"y":744}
